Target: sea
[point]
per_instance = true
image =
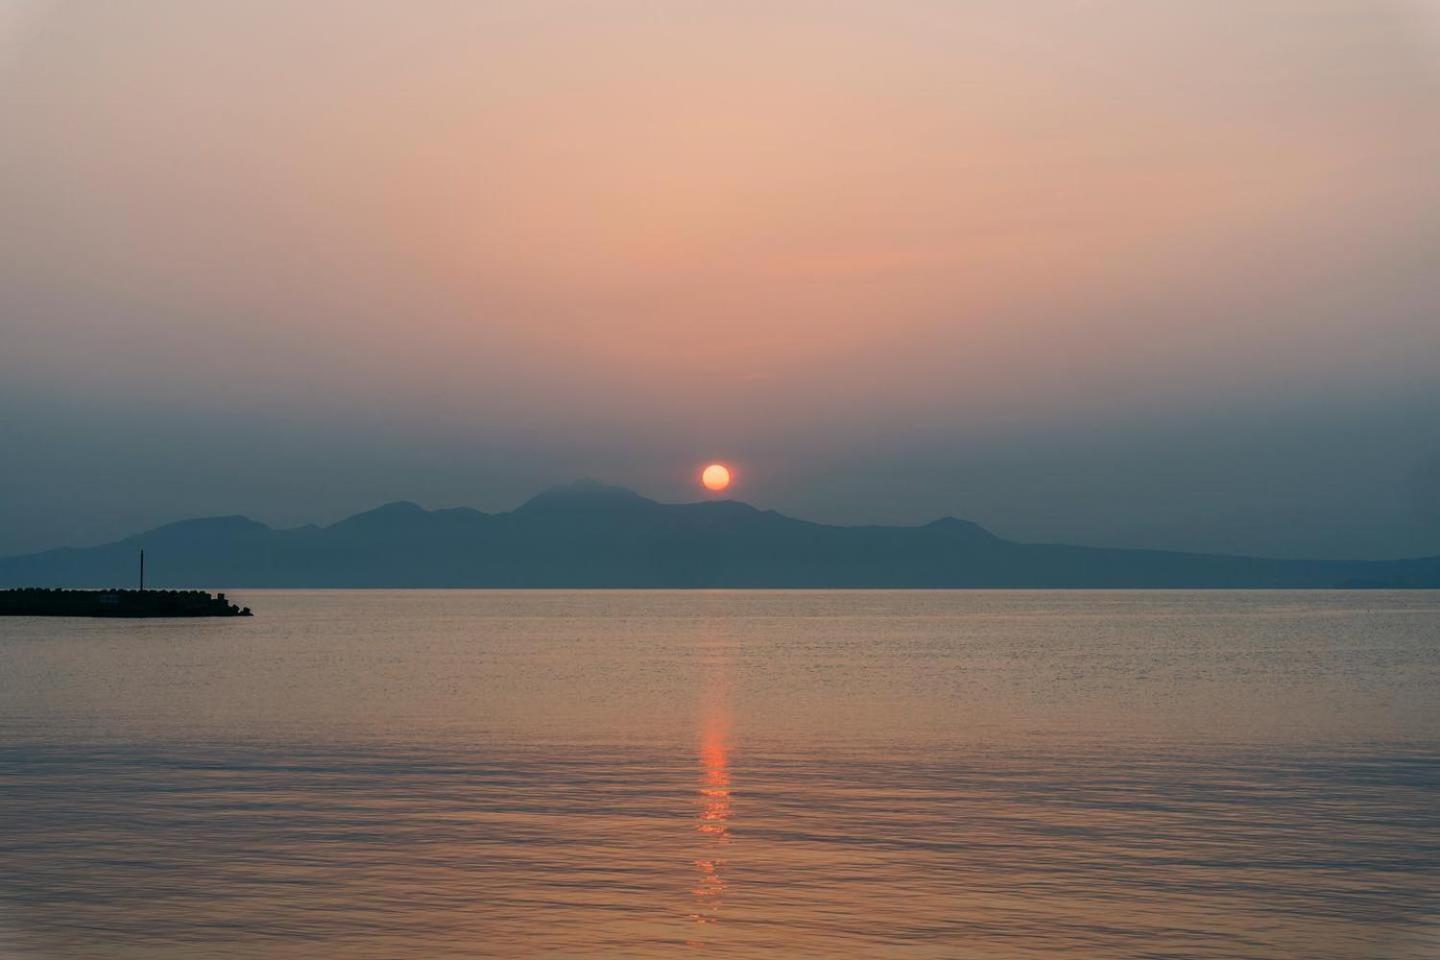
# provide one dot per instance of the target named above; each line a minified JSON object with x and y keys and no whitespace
{"x":970,"y":774}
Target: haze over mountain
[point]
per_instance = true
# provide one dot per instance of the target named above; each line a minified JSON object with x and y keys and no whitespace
{"x":1142,"y":273}
{"x":589,"y":534}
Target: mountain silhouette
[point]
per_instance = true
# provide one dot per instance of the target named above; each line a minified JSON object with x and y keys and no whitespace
{"x":588,"y":534}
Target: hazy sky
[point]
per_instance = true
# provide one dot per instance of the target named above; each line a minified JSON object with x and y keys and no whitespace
{"x":1133,"y":272}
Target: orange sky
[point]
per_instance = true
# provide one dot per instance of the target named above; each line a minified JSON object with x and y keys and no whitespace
{"x":724,"y":225}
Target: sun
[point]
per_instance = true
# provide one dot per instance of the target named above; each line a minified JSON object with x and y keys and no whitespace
{"x":715,"y":477}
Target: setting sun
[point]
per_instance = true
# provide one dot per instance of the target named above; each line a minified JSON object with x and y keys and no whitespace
{"x":715,"y":477}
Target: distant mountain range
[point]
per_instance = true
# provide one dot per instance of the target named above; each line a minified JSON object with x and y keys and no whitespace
{"x":591,"y":535}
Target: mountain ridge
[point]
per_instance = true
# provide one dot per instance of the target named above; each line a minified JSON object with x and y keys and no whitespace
{"x":590,"y":534}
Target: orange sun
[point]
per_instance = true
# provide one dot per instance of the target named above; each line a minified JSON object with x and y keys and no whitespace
{"x":715,"y":477}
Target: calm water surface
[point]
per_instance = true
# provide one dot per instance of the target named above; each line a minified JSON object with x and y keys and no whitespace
{"x":733,"y":774}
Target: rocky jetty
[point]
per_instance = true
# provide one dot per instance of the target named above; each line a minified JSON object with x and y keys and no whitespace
{"x":42,"y":602}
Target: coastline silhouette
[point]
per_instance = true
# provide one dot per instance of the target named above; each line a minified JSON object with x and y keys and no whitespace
{"x":588,"y":534}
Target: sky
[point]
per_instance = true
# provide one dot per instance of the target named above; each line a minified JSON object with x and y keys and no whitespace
{"x":1118,"y":272}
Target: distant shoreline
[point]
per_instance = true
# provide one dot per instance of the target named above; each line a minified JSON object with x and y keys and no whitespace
{"x":589,"y":536}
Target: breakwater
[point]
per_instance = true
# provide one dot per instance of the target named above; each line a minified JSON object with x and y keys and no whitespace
{"x":42,"y":602}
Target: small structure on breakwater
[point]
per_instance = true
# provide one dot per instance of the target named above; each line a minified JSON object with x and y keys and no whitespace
{"x":43,"y":602}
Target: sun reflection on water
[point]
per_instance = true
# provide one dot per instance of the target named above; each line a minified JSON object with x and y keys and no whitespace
{"x":712,"y":821}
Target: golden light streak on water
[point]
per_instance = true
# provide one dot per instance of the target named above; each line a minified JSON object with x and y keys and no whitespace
{"x":713,"y":795}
